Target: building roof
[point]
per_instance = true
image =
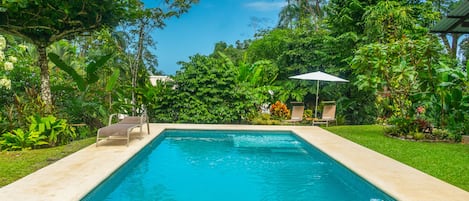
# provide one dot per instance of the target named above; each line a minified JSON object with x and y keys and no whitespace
{"x":457,"y":20}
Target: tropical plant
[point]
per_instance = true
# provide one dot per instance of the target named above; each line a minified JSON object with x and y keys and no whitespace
{"x":91,"y":70}
{"x":57,"y":131}
{"x":299,"y":12}
{"x":19,"y":140}
{"x":394,"y":66}
{"x":45,"y":22}
{"x":279,"y":110}
{"x":388,"y":21}
{"x":206,"y":92}
{"x":452,"y":93}
{"x":42,"y":131}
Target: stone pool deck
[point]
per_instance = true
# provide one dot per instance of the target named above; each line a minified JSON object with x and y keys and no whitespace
{"x":73,"y":177}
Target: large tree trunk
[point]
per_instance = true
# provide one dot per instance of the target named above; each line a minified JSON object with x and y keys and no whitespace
{"x":46,"y":94}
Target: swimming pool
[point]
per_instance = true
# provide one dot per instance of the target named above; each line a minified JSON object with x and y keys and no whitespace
{"x":233,"y":165}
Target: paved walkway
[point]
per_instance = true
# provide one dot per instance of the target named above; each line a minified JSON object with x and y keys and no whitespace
{"x":74,"y":176}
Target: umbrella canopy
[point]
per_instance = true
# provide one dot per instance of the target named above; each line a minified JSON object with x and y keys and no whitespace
{"x":319,"y":76}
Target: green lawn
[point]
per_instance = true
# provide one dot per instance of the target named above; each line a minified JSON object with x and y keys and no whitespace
{"x":17,"y":164}
{"x":448,"y":162}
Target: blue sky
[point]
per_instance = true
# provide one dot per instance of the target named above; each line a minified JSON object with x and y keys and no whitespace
{"x":209,"y":22}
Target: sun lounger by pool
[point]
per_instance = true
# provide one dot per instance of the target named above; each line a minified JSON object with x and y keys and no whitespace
{"x":328,"y":114}
{"x":123,"y":128}
{"x":297,"y":114}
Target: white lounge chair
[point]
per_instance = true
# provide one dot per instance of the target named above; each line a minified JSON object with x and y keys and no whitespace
{"x":123,"y":128}
{"x":328,"y":115}
{"x":296,"y":114}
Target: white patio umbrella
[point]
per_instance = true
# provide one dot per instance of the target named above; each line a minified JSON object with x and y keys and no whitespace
{"x":319,"y":76}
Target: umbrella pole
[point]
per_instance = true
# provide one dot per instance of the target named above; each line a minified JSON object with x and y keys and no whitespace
{"x":317,"y":98}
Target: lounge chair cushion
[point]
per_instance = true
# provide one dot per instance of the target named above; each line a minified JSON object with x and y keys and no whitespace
{"x":130,"y":120}
{"x":122,"y":129}
{"x":116,"y":130}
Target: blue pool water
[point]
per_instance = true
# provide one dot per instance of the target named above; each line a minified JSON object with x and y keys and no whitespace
{"x":233,"y":165}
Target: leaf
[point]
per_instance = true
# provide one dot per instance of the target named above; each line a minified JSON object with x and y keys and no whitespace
{"x":112,"y":80}
{"x":69,"y":70}
{"x":42,"y":127}
{"x":445,"y":84}
{"x":91,"y":69}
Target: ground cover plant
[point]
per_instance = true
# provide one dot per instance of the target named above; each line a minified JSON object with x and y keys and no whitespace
{"x":17,"y":164}
{"x":446,"y":161}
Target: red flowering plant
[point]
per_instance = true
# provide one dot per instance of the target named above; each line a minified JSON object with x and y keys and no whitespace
{"x":279,"y":110}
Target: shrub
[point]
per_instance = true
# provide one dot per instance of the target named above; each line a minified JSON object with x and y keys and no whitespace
{"x":19,"y":140}
{"x":440,"y":133}
{"x":403,"y":126}
{"x":56,"y":130}
{"x":392,"y":130}
{"x":279,"y":110}
{"x":418,"y":135}
{"x":264,"y":119}
{"x":308,"y":114}
{"x":42,"y":131}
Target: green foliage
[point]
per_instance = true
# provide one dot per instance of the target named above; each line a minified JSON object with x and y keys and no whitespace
{"x":97,"y":96}
{"x":257,"y":80}
{"x":20,"y":140}
{"x":402,"y":126}
{"x":388,"y":20}
{"x":39,"y":22}
{"x":296,"y":51}
{"x":443,"y":134}
{"x":419,"y":129}
{"x":264,"y":119}
{"x":366,"y":30}
{"x":43,"y":23}
{"x":308,"y":114}
{"x":235,"y":54}
{"x":269,"y":47}
{"x":56,"y":130}
{"x":418,"y":135}
{"x":91,"y":70}
{"x":42,"y":131}
{"x":16,"y":113}
{"x":394,"y":66}
{"x":62,"y":65}
{"x":452,"y":94}
{"x":232,"y":83}
{"x":357,"y":106}
{"x":261,"y":73}
{"x":22,"y":75}
{"x":408,"y":68}
{"x":206,"y":92}
{"x":112,"y":80}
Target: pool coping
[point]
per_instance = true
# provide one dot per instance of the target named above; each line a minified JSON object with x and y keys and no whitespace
{"x":74,"y":176}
